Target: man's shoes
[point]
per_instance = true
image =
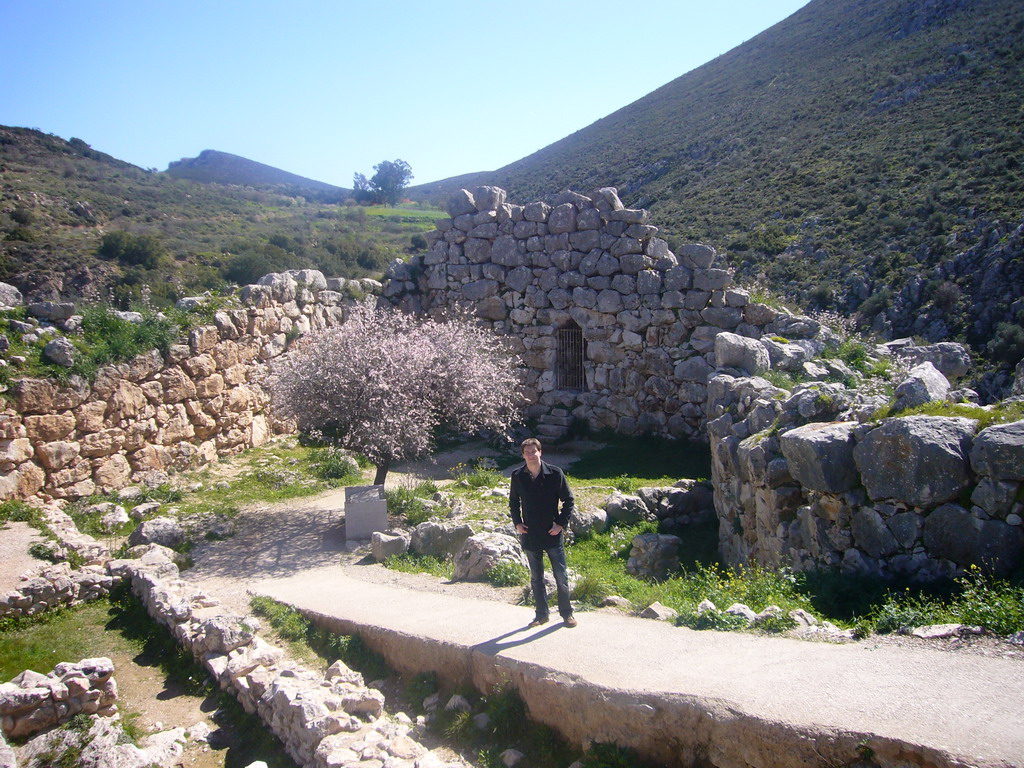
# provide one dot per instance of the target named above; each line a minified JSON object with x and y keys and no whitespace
{"x":537,"y":622}
{"x":570,"y":621}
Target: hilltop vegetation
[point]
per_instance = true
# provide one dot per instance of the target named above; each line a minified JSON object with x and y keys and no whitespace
{"x":859,"y":156}
{"x":75,"y":222}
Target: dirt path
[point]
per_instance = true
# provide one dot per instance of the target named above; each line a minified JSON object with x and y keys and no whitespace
{"x":15,"y":561}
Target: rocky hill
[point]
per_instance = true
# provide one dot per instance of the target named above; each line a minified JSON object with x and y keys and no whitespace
{"x":223,"y":168}
{"x":858,"y":156}
{"x":75,"y":222}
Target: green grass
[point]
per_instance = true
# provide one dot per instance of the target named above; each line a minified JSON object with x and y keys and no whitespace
{"x":407,"y":501}
{"x":413,"y":563}
{"x":281,"y":471}
{"x":327,"y":646}
{"x":120,"y":626}
{"x":508,"y":574}
{"x":1001,"y":413}
{"x":630,"y":463}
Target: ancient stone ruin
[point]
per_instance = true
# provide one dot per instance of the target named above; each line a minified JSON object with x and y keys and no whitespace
{"x":613,"y":330}
{"x":612,"y":327}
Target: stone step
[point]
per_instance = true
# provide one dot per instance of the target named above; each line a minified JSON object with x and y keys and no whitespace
{"x":561,"y":421}
{"x":552,"y":430}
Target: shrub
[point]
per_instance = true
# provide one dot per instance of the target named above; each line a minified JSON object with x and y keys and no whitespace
{"x":133,"y":250}
{"x":329,"y":463}
{"x":508,"y":574}
{"x":1007,"y":344}
{"x":408,"y":501}
{"x":419,"y":688}
{"x":18,"y":512}
{"x":482,"y":475}
{"x":996,"y":605}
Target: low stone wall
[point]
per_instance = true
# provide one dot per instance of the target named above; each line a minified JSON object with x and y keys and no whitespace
{"x":800,"y":481}
{"x":646,"y":317}
{"x":33,"y":702}
{"x":322,"y":720}
{"x":158,"y":413}
{"x":56,"y":586}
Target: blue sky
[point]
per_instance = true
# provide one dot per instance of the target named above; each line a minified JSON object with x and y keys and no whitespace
{"x":325,"y":88}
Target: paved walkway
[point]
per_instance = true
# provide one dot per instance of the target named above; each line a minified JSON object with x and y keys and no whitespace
{"x":967,"y":706}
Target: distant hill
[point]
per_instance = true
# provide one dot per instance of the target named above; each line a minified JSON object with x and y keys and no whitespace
{"x":216,"y":167}
{"x":858,"y":156}
{"x":75,"y":222}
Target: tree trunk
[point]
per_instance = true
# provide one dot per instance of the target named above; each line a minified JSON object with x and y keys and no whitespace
{"x":382,"y":472}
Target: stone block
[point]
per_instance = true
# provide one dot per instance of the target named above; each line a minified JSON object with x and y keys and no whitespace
{"x":366,"y":511}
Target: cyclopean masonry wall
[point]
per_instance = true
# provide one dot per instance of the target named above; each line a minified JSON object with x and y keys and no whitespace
{"x":669,"y":346}
{"x":157,"y":413}
{"x":647,"y":317}
{"x":806,"y":479}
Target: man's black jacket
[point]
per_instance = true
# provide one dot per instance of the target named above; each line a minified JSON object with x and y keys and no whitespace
{"x":534,"y":503}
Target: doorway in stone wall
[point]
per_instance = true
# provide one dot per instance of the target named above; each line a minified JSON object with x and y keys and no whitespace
{"x":569,"y":357}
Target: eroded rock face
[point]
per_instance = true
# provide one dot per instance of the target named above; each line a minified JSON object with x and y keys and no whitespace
{"x":32,"y":702}
{"x":919,"y":460}
{"x":734,"y":351}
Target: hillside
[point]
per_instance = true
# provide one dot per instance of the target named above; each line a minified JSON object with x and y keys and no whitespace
{"x":75,"y":222}
{"x":858,"y":156}
{"x":216,"y":167}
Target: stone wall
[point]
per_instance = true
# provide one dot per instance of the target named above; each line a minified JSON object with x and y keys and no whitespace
{"x":325,"y":720}
{"x":648,"y":317}
{"x":33,"y":702}
{"x":803,"y":478}
{"x":163,"y":412}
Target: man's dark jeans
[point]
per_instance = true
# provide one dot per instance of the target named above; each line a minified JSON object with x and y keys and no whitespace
{"x":536,"y":560}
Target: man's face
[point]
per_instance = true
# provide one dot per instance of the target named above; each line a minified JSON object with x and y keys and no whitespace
{"x":531,"y":453}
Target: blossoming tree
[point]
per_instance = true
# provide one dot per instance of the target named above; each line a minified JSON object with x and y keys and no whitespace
{"x":384,"y":382}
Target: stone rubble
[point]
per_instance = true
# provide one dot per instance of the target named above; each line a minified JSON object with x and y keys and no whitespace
{"x":33,"y":702}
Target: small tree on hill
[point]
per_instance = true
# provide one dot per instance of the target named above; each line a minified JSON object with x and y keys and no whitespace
{"x":385,"y":382}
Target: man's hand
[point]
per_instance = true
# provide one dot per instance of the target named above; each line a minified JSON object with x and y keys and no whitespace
{"x":521,"y":528}
{"x":555,"y":530}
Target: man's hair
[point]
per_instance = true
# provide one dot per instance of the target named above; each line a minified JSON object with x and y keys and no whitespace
{"x":530,"y":441}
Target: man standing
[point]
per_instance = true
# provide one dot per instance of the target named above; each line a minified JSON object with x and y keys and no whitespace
{"x":533,"y":501}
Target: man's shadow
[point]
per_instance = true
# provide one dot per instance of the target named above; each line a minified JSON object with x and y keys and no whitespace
{"x":494,"y":646}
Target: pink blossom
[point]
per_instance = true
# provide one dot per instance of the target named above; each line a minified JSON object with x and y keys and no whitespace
{"x":383,"y":383}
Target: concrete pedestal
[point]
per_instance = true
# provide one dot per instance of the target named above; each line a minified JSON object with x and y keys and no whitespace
{"x":366,"y":511}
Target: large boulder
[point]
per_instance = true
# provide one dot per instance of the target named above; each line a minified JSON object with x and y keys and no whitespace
{"x":385,"y":544}
{"x":953,"y":533}
{"x":654,"y":556}
{"x":626,"y":508}
{"x":952,"y":360}
{"x":735,"y":351}
{"x":439,"y":539}
{"x":820,"y":456}
{"x":588,"y":520}
{"x":919,"y":460}
{"x":924,"y":384}
{"x":10,"y":297}
{"x":481,"y":552}
{"x":998,"y":452}
{"x":165,"y":531}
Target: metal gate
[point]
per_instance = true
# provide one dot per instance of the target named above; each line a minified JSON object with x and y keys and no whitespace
{"x":569,"y":358}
